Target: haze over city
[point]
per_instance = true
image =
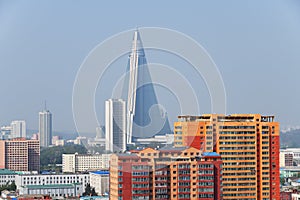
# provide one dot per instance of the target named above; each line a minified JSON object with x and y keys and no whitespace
{"x":43,"y":45}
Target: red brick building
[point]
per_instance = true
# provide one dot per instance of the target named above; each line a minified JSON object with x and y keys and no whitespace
{"x":174,"y":173}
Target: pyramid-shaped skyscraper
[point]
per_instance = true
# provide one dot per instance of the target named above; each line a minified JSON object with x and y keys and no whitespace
{"x":145,"y":118}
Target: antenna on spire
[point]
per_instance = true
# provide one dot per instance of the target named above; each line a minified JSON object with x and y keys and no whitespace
{"x":45,"y":105}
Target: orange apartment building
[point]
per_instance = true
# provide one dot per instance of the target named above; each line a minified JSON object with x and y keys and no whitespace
{"x":20,"y":154}
{"x":249,"y":148}
{"x":168,"y":173}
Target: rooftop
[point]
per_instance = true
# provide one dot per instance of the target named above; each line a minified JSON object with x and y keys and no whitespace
{"x":127,"y":155}
{"x":210,"y":154}
{"x":100,"y":172}
{"x":50,"y":186}
{"x":6,"y":172}
{"x":171,"y":148}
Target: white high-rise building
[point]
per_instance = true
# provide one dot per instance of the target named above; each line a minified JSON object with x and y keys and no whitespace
{"x":115,"y":125}
{"x":45,"y":128}
{"x":18,"y":129}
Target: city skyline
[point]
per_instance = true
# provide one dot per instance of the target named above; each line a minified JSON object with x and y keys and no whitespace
{"x":154,"y":100}
{"x":270,"y":36}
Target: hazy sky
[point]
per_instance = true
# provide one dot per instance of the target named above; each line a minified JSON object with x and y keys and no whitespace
{"x":255,"y":44}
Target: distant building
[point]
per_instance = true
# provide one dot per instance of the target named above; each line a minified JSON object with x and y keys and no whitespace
{"x":20,"y":154}
{"x":289,"y":157}
{"x":158,"y":139}
{"x":100,"y":181}
{"x":5,"y":133}
{"x":6,"y":176}
{"x":18,"y":129}
{"x":286,"y":159}
{"x":100,"y":132}
{"x":45,"y":128}
{"x":55,"y":138}
{"x":81,"y":141}
{"x":115,"y":125}
{"x":246,"y":142}
{"x":98,"y":142}
{"x":59,"y":143}
{"x":55,"y":185}
{"x":167,"y":173}
{"x":84,"y":162}
{"x":35,"y":136}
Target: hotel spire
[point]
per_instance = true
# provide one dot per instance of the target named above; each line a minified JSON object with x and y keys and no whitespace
{"x":140,"y":96}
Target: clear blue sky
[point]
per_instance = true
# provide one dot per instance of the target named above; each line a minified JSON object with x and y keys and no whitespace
{"x":255,"y":44}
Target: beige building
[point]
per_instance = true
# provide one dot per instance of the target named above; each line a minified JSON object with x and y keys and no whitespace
{"x":84,"y":162}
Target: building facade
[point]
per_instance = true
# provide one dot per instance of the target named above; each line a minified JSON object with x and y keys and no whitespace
{"x":5,"y":132}
{"x":18,"y":129}
{"x":20,"y":154}
{"x":249,"y":147}
{"x":100,"y":181}
{"x":289,"y":157}
{"x":6,"y":176}
{"x":115,"y":125}
{"x":173,"y":173}
{"x":45,"y":128}
{"x":286,"y":159}
{"x":55,"y":185}
{"x":84,"y":162}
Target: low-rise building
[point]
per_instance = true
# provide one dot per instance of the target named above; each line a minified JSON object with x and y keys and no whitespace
{"x":84,"y":162}
{"x":100,"y":181}
{"x":33,"y":197}
{"x":6,"y":176}
{"x":55,"y":185}
{"x":288,"y":172}
{"x":53,"y":190}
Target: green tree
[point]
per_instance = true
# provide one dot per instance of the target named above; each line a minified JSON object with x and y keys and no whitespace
{"x":53,"y":155}
{"x":282,"y":180}
{"x":8,"y":186}
{"x":89,"y":191}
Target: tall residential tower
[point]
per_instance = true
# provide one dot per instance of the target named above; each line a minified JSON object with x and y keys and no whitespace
{"x":249,"y":147}
{"x":45,"y":128}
